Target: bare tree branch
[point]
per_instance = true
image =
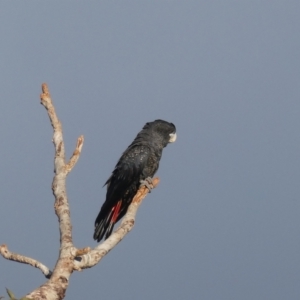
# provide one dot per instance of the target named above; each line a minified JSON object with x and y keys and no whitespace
{"x":59,"y":185}
{"x":94,"y":256}
{"x":55,"y":288}
{"x":25,"y":260}
{"x":70,"y":258}
{"x":74,"y":158}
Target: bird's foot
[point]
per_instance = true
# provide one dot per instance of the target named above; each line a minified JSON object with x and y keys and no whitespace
{"x":147,"y":183}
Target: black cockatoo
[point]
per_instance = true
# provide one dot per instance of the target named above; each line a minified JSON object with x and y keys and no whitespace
{"x":138,"y":163}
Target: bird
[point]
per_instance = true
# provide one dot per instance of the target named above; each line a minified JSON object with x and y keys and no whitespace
{"x":136,"y":167}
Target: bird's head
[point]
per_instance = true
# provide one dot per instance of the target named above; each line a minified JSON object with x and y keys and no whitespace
{"x":164,"y":130}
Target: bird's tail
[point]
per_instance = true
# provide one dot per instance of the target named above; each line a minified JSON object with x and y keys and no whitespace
{"x":105,"y":222}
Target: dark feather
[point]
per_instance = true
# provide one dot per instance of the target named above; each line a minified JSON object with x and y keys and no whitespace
{"x":139,"y":161}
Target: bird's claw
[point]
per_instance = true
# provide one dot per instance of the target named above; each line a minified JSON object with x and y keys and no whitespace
{"x":147,"y":183}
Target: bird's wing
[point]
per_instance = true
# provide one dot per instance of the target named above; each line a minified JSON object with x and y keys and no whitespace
{"x":128,"y":172}
{"x":121,"y":188}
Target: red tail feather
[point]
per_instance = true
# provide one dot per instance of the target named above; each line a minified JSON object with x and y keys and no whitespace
{"x":116,"y":210}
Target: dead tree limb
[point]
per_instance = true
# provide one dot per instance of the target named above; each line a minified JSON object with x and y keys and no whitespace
{"x":70,"y":258}
{"x":93,"y":257}
{"x":25,"y":260}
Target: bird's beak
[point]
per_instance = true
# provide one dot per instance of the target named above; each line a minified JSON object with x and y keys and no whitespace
{"x":173,"y":137}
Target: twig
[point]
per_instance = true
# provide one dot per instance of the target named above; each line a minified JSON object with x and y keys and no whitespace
{"x":25,"y":260}
{"x":74,"y":158}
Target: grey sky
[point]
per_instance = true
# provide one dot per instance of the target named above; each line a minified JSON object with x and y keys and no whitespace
{"x":224,"y":221}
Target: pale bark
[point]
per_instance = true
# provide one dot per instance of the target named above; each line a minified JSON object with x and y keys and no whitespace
{"x":93,"y":257}
{"x":70,"y":258}
{"x":25,"y":260}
